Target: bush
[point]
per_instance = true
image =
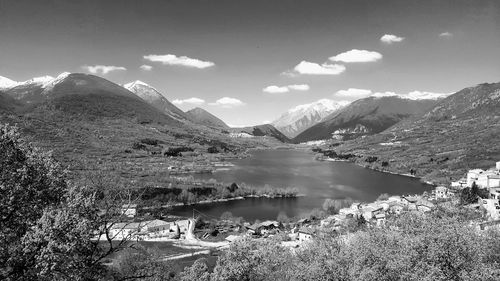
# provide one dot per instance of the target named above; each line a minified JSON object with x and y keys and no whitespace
{"x":149,"y":141}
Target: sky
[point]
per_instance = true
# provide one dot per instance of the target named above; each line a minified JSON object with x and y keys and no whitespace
{"x":249,"y":61}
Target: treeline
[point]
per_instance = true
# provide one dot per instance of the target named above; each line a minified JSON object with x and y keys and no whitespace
{"x":332,"y":154}
{"x":190,"y":193}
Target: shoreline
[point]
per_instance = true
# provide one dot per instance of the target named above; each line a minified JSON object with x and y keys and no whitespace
{"x":381,"y":171}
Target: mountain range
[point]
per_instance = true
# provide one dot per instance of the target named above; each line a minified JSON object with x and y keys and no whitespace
{"x":365,"y":116}
{"x":458,"y":133}
{"x":300,"y":118}
{"x":93,"y":125}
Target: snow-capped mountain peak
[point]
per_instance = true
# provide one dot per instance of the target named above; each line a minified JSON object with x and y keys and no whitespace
{"x":155,"y":98}
{"x":301,"y":117}
{"x":42,"y":80}
{"x":49,"y":85}
{"x":136,"y":84}
{"x":6,"y":83}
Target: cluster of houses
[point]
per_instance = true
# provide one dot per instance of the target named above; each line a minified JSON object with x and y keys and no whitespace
{"x":144,"y":230}
{"x":149,"y":229}
{"x":484,"y":179}
{"x":376,"y":212}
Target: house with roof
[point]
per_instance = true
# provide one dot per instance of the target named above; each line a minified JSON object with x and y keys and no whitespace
{"x":123,"y":230}
{"x":157,"y":227}
{"x":264,"y":227}
{"x":488,"y":179}
{"x":129,"y":210}
{"x":396,"y":208}
{"x":182,"y":225}
{"x":305,"y":234}
{"x":410,"y":202}
{"x":460,"y":184}
{"x":472,"y":176}
{"x":380,"y":219}
{"x":369,"y":212}
{"x":442,"y":192}
{"x":489,"y":225}
{"x":424,"y":206}
{"x":495,"y":193}
{"x":492,"y":208}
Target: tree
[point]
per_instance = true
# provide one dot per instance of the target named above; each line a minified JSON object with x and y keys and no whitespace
{"x":49,"y":229}
{"x":248,"y":259}
{"x":383,"y":196}
{"x":30,"y":182}
{"x":470,"y":195}
{"x":198,"y":271}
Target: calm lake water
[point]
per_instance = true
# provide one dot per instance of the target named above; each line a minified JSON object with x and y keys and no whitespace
{"x":317,"y":180}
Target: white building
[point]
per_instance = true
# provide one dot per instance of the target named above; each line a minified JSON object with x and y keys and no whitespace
{"x":380,"y":219}
{"x":442,"y":192}
{"x":488,"y":179}
{"x":472,"y":176}
{"x":305,"y":234}
{"x":492,"y":208}
{"x":129,"y":210}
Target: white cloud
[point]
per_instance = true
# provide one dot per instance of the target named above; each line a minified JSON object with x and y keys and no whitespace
{"x":102,"y":69}
{"x":415,"y":95}
{"x":182,"y":60}
{"x":266,"y":122}
{"x":275,"y":89}
{"x":227,"y":102}
{"x":285,"y":89}
{"x":419,"y":95}
{"x":191,"y":101}
{"x":356,"y":55}
{"x":353,"y":93}
{"x":299,"y":87}
{"x":446,"y":34}
{"x":312,"y":68}
{"x":146,"y":67}
{"x":391,"y":38}
{"x":384,"y":94}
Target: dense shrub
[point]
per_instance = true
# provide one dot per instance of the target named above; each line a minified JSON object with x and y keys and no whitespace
{"x":149,"y":141}
{"x":176,"y":151}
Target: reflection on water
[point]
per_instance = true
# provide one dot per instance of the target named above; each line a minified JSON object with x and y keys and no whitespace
{"x":317,"y":180}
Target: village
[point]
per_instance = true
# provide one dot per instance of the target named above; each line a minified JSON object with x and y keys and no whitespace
{"x":219,"y":234}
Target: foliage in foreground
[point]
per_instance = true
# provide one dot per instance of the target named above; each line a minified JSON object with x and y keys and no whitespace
{"x":48,"y":226}
{"x":438,"y":246}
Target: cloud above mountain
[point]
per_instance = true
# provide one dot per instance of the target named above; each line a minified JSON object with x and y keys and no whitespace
{"x":417,"y":95}
{"x":102,"y":69}
{"x":285,"y":89}
{"x":391,"y":38}
{"x":227,"y":102}
{"x":190,"y":101}
{"x":146,"y":67}
{"x":312,"y":68}
{"x":353,"y":93}
{"x":356,"y":55}
{"x":170,"y":59}
{"x":446,"y":34}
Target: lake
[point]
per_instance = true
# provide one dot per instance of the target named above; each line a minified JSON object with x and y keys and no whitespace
{"x":317,"y":180}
